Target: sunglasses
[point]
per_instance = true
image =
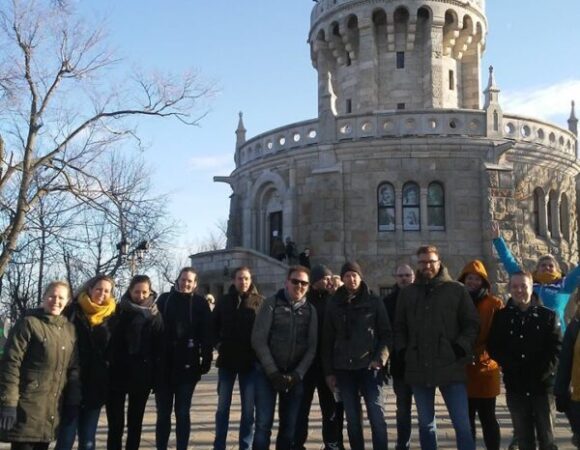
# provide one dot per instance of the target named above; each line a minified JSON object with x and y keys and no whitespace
{"x":297,"y":282}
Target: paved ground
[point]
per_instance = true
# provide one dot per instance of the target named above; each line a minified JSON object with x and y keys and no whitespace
{"x":205,"y":399}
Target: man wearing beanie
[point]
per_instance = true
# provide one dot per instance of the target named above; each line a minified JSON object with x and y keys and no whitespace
{"x":435,"y":329}
{"x":355,"y":346}
{"x":332,"y":412}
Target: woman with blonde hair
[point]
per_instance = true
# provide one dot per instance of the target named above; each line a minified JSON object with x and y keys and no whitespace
{"x":93,"y":315}
{"x":39,"y":373}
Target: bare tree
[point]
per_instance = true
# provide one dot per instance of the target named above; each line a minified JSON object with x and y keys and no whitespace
{"x":58,"y":116}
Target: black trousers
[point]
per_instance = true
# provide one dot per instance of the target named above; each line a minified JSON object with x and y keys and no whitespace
{"x":332,"y":412}
{"x":485,"y":409}
{"x":29,"y":445}
{"x":116,"y":419}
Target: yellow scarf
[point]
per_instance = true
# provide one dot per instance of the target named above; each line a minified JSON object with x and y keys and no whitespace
{"x":96,"y":314}
{"x":546,"y":277}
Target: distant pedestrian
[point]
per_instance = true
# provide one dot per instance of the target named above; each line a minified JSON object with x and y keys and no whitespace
{"x":304,"y":258}
{"x":291,"y":251}
{"x":40,"y":373}
{"x":525,"y":340}
{"x":234,"y":317}
{"x":284,"y":339}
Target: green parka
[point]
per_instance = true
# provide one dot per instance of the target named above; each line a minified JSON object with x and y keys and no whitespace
{"x":39,"y":367}
{"x":435,"y":320}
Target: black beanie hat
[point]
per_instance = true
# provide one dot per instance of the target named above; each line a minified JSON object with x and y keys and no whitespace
{"x":318,"y":272}
{"x":350,"y":266}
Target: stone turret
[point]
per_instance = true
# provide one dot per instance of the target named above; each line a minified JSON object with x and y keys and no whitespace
{"x":383,"y":55}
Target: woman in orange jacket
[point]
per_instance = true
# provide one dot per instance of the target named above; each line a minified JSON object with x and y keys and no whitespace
{"x":483,"y":374}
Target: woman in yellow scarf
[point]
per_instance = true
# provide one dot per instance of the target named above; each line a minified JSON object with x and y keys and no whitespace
{"x":93,"y":314}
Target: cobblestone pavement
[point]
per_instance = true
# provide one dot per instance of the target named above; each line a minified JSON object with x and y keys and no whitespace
{"x":205,"y":400}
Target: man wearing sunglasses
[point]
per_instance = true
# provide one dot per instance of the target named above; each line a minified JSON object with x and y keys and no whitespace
{"x":284,"y":339}
{"x":355,"y":341}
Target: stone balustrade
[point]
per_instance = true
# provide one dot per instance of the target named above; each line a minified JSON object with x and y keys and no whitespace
{"x":400,"y":124}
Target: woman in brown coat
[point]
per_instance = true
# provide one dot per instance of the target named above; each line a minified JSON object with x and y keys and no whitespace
{"x":483,"y":374}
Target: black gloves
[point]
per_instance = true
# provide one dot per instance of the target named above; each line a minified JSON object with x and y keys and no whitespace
{"x":458,"y":350}
{"x":7,"y":417}
{"x":293,"y":379}
{"x":279,"y":381}
{"x":562,"y":403}
{"x":205,"y":365}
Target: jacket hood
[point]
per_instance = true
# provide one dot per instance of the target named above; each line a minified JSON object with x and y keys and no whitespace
{"x":475,"y":267}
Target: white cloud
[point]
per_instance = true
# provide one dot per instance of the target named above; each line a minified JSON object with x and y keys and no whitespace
{"x":547,"y":102}
{"x":219,"y":164}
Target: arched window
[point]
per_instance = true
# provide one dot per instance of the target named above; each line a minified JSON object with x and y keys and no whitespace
{"x":436,"y":207}
{"x":564,"y":217}
{"x":540,"y":216}
{"x":550,"y":221}
{"x":411,"y":208}
{"x":386,"y":207}
{"x":553,"y":215}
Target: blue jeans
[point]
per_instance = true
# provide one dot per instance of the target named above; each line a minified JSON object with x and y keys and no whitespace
{"x":404,"y":394}
{"x":455,"y":397}
{"x":84,"y":424}
{"x":368,"y":383}
{"x":164,"y":396}
{"x":225,"y":387}
{"x":288,"y":409}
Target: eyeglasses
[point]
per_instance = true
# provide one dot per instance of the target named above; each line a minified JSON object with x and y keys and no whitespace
{"x":403,"y":275}
{"x":430,"y":262}
{"x":297,"y":282}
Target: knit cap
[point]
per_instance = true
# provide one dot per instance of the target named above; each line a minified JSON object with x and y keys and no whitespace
{"x":350,"y":266}
{"x":318,"y":272}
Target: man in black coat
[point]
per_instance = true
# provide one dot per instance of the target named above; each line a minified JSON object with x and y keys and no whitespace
{"x":187,"y":354}
{"x":525,"y":339}
{"x":234,"y":317}
{"x":332,"y":412}
{"x":404,"y":276}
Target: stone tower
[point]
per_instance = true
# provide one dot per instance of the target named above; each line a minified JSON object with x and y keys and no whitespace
{"x":402,"y":153}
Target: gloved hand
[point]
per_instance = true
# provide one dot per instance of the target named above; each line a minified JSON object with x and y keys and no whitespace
{"x":7,"y":417}
{"x":562,"y":403}
{"x":458,"y":350}
{"x":205,"y":365}
{"x":293,"y":379}
{"x":279,"y":381}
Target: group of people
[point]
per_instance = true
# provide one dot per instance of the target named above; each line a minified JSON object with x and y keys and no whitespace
{"x":67,"y":359}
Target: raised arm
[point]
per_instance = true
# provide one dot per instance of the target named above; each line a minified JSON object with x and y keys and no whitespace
{"x":505,"y":255}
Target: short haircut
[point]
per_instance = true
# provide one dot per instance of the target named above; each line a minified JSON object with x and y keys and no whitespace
{"x":425,"y":249}
{"x":522,"y":273}
{"x":55,"y":284}
{"x":293,"y":269}
{"x":187,"y":269}
{"x":139,"y":279}
{"x":241,"y":269}
{"x":398,"y":266}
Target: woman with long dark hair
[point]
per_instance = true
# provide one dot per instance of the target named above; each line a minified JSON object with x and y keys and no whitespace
{"x":134,"y":343}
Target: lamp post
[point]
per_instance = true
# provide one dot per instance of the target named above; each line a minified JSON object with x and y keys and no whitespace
{"x":134,"y":256}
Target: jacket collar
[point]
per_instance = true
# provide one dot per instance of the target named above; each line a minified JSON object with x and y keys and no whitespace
{"x":441,"y":277}
{"x":343,"y":296}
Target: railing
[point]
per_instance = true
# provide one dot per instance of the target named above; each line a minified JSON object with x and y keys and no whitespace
{"x":397,"y":124}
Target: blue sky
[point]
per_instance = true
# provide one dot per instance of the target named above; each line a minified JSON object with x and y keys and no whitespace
{"x":256,"y":53}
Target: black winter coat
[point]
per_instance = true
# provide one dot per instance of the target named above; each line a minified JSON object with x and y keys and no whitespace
{"x":234,"y":318}
{"x":318,"y":299}
{"x":564,"y":373}
{"x":135,"y":348}
{"x":94,"y":346}
{"x":356,"y":331}
{"x":187,"y":338}
{"x":526,"y":345}
{"x":396,"y":362}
